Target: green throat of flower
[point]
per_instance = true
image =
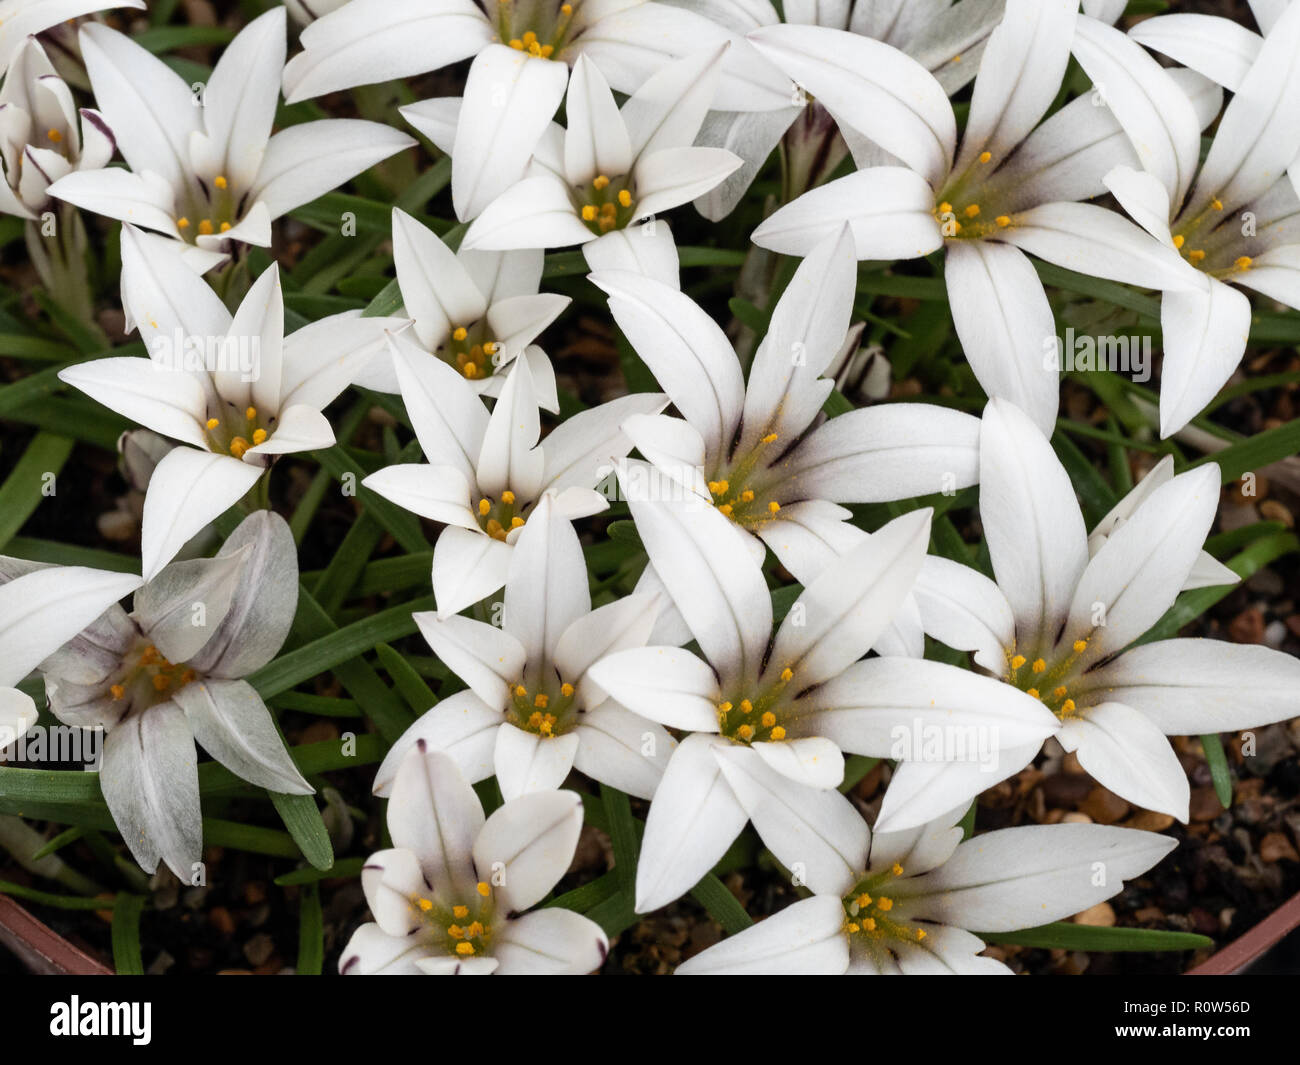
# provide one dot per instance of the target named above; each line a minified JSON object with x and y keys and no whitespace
{"x":472,"y":350}
{"x":237,"y":430}
{"x":869,"y":912}
{"x":499,"y":518}
{"x":542,"y":28}
{"x":547,"y":710}
{"x":214,"y":208}
{"x":606,"y":204}
{"x":465,"y":928}
{"x":763,"y":718}
{"x":146,"y":678}
{"x":741,"y":492}
{"x":1048,"y":682}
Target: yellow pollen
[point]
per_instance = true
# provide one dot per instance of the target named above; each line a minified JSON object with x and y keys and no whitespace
{"x":787,"y":674}
{"x":768,"y":719}
{"x":956,"y":59}
{"x":118,"y":691}
{"x":516,"y":522}
{"x":460,"y":911}
{"x":566,"y":9}
{"x":1080,"y":646}
{"x":1217,"y":204}
{"x":1003,"y":220}
{"x":724,"y":708}
{"x":474,"y":930}
{"x":566,"y":689}
{"x":985,"y":156}
{"x":471,"y":369}
{"x":238,"y":446}
{"x":225,"y":226}
{"x":483,"y":889}
{"x":259,"y":436}
{"x":1039,"y":665}
{"x":484,"y":507}
{"x":1243,"y":262}
{"x":540,"y":701}
{"x":773,"y":507}
{"x":1196,"y":255}
{"x":778,"y":733}
{"x":885,"y":904}
{"x":160,"y":682}
{"x":1017,"y":661}
{"x":747,"y":496}
{"x":945,"y":207}
{"x":588,"y":213}
{"x":206,"y":227}
{"x":517,"y":44}
{"x":507,"y":497}
{"x":854,"y":927}
{"x":601,"y":182}
{"x":625,"y":198}
{"x":863,"y":900}
{"x":1032,"y":693}
{"x":425,"y":904}
{"x":250,"y":413}
{"x":54,"y":135}
{"x":464,"y":948}
{"x":608,"y":209}
{"x":726,"y":509}
{"x":746,"y":706}
{"x":896,"y":869}
{"x":530,"y":38}
{"x":723,"y":487}
{"x":547,"y":50}
{"x":744,"y":732}
{"x":972,"y":211}
{"x":920,"y":934}
{"x":490,"y":348}
{"x":1067,"y":707}
{"x":220,"y":181}
{"x":869,"y":924}
{"x":1059,"y":691}
{"x":769,"y":439}
{"x":1179,"y":240}
{"x":459,"y":333}
{"x":213,"y":423}
{"x":182,"y":223}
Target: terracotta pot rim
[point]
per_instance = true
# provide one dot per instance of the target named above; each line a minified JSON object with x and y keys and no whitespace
{"x":1241,"y":952}
{"x":41,"y":948}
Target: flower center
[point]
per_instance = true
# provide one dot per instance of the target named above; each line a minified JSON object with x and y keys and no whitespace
{"x":499,"y":519}
{"x":760,"y":719}
{"x":465,"y":927}
{"x":1044,"y":681}
{"x":472,"y":350}
{"x":546,"y":709}
{"x":147,"y":678}
{"x":740,"y":495}
{"x":868,"y":912}
{"x":212,"y":208}
{"x":238,"y":431}
{"x":539,"y":27}
{"x":606,"y":204}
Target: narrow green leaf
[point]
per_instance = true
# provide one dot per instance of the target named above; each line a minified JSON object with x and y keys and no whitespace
{"x":303,"y":820}
{"x":1217,"y":760}
{"x":723,"y":907}
{"x":26,"y":485}
{"x":1064,"y":935}
{"x":311,"y":932}
{"x":127,"y":959}
{"x":623,"y":836}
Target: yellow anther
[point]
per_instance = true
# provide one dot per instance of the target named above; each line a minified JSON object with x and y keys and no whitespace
{"x":920,"y":934}
{"x":1059,"y":691}
{"x":725,"y":509}
{"x":1243,"y":262}
{"x":1032,"y":693}
{"x":507,"y":497}
{"x":724,"y":707}
{"x":1217,"y":204}
{"x":869,"y":924}
{"x":1068,"y":707}
{"x":1179,"y":240}
{"x":212,"y":423}
{"x":484,"y":507}
{"x":885,"y":904}
{"x":1003,"y":220}
{"x":54,"y":135}
{"x":601,"y":182}
{"x":771,"y":438}
{"x":541,"y":700}
{"x":460,"y":911}
{"x":896,"y":869}
{"x":972,"y":211}
{"x":520,"y":690}
{"x":945,"y":207}
{"x":608,"y":210}
{"x":225,"y":226}
{"x":773,"y":507}
{"x":1039,"y":665}
{"x":482,"y":888}
{"x":588,"y":213}
{"x":490,"y":348}
{"x":863,"y":900}
{"x":956,"y":59}
{"x":1080,"y":646}
{"x":259,"y":436}
{"x":985,"y":156}
{"x":768,"y":719}
{"x":464,"y":948}
{"x":1196,"y":255}
{"x":566,"y":689}
{"x":787,"y":674}
{"x":117,"y":690}
{"x":745,"y":732}
{"x":517,"y":44}
{"x":495,"y":529}
{"x":723,"y":487}
{"x":425,"y":904}
{"x":206,"y":227}
{"x":220,"y":181}
{"x":747,"y":496}
{"x":854,"y":927}
{"x":238,"y":446}
{"x":471,"y":369}
{"x":250,"y":413}
{"x":778,"y":733}
{"x":160,"y":682}
{"x":566,"y":9}
{"x":516,"y":522}
{"x":624,"y":198}
{"x":547,"y":50}
{"x":459,"y":333}
{"x":1017,"y":661}
{"x":746,"y":707}
{"x":182,"y":223}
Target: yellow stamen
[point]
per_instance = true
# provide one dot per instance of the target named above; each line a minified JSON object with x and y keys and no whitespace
{"x":220,"y":181}
{"x":945,"y":207}
{"x":885,"y":904}
{"x":1003,"y":220}
{"x":1059,"y":691}
{"x":985,"y":156}
{"x":1039,"y":665}
{"x":773,"y":507}
{"x":465,"y":948}
{"x":483,"y":889}
{"x":972,"y":211}
{"x":508,"y":497}
{"x":725,"y":509}
{"x":471,"y":369}
{"x":896,"y":869}
{"x":459,"y":333}
{"x":601,"y":182}
{"x":745,"y":732}
{"x":1217,"y":204}
{"x":1032,"y":693}
{"x":160,"y":682}
{"x":566,"y":689}
{"x":746,"y":706}
{"x":1243,"y":262}
{"x":863,"y":900}
{"x":182,"y":223}
{"x":787,"y":674}
{"x":118,"y":691}
{"x":768,"y":719}
{"x":517,"y":44}
{"x":516,"y":522}
{"x":1196,"y":255}
{"x":259,"y":436}
{"x":920,"y":934}
{"x":724,"y":707}
{"x":541,"y":701}
{"x":778,"y":733}
{"x":250,"y":413}
{"x":747,"y":496}
{"x":425,"y":904}
{"x":771,"y":438}
{"x":1068,"y":707}
{"x":1017,"y":661}
{"x":460,"y":911}
{"x":484,"y":507}
{"x":547,"y":50}
{"x":225,"y":226}
{"x":213,"y":423}
{"x":520,"y":690}
{"x":54,"y":135}
{"x":238,"y":446}
{"x":625,"y":198}
{"x":1080,"y":646}
{"x":206,"y":227}
{"x":869,"y":924}
{"x":588,"y":213}
{"x":566,"y":9}
{"x":1179,"y":240}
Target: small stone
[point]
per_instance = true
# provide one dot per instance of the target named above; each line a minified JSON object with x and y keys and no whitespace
{"x":1205,"y":804}
{"x":1104,"y":806}
{"x":1275,"y":847}
{"x":1272,"y":510}
{"x":1076,"y":817}
{"x":1149,"y":821}
{"x":1100,"y":916}
{"x":1248,"y":626}
{"x":258,"y":949}
{"x":220,"y":919}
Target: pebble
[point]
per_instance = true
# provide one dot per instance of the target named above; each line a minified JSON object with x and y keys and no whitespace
{"x":1248,"y":626}
{"x":1275,"y":847}
{"x":1103,"y":806}
{"x":1149,"y":821}
{"x":1100,"y":916}
{"x":1205,"y":804}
